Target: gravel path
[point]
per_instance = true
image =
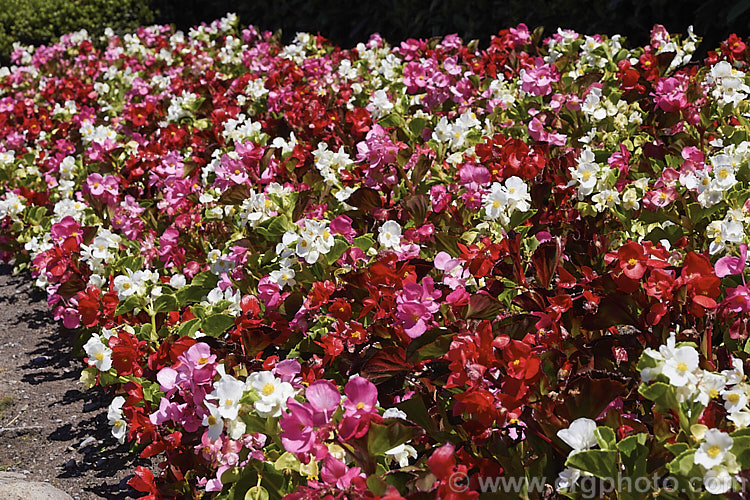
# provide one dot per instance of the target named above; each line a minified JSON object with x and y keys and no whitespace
{"x":50,"y":428}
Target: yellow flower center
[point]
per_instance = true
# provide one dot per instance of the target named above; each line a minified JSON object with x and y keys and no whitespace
{"x":495,"y":204}
{"x":360,"y":406}
{"x":733,"y":397}
{"x":713,"y":451}
{"x":99,"y":356}
{"x":268,"y":389}
{"x":202,"y":361}
{"x":713,"y":393}
{"x":211,"y":420}
{"x":632,"y":262}
{"x":682,"y":367}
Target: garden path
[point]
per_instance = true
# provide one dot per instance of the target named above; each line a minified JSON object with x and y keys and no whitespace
{"x":51,"y":428}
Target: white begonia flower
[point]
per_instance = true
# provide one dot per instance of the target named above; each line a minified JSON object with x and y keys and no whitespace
{"x":402,"y":453}
{"x":235,"y":428}
{"x":115,"y":418}
{"x":735,"y":399}
{"x":228,"y":391}
{"x":567,"y":478}
{"x":518,"y":194}
{"x":579,"y":435}
{"x":736,"y":374}
{"x":741,"y":418}
{"x":680,"y":367}
{"x":177,"y":281}
{"x":389,"y":234}
{"x":98,"y":353}
{"x":717,"y":481}
{"x":283,"y":277}
{"x":213,"y":421}
{"x":713,"y":449}
{"x":495,"y":202}
{"x":272,"y":391}
{"x":442,"y":131}
{"x":710,"y":387}
{"x":394,"y":413}
{"x":379,"y":104}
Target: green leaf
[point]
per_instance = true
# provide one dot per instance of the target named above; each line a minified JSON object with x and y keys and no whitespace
{"x":383,"y":437}
{"x":376,"y":484}
{"x":164,"y":303}
{"x":216,"y":324}
{"x":683,"y":464}
{"x":633,"y":454}
{"x":392,"y":120}
{"x":677,"y":448}
{"x":660,"y":392}
{"x":416,"y":126}
{"x":287,"y":461}
{"x":519,"y":218}
{"x":432,"y":344}
{"x":189,"y":327}
{"x":205,"y":280}
{"x":190,"y":294}
{"x":256,"y":493}
{"x":600,"y":463}
{"x":605,"y":436}
{"x":128,"y":305}
{"x":364,"y":242}
{"x":339,"y":247}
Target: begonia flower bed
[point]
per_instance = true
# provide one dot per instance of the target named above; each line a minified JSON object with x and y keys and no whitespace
{"x":394,"y":272}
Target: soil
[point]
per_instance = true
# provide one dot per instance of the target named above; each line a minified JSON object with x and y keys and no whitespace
{"x":51,"y":428}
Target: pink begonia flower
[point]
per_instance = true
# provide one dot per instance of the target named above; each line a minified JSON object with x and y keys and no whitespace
{"x":361,"y":396}
{"x":732,"y":265}
{"x":95,"y":185}
{"x":473,"y":176}
{"x":669,"y":94}
{"x":268,"y":292}
{"x":416,"y":305}
{"x":215,"y":483}
{"x":439,"y":197}
{"x":415,"y":318}
{"x":538,"y":80}
{"x":538,"y":133}
{"x":738,"y":299}
{"x":458,"y":297}
{"x":323,"y":396}
{"x":286,"y":370}
{"x":343,"y":225}
{"x":335,"y":473}
{"x":66,"y":228}
{"x":297,"y":435}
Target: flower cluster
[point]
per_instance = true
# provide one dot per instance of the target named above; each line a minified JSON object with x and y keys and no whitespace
{"x":308,"y":272}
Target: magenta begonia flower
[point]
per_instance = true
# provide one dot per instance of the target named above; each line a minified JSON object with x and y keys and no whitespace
{"x":732,"y":265}
{"x":323,"y":396}
{"x":298,"y":435}
{"x":361,"y":396}
{"x":95,"y":184}
{"x":335,"y":473}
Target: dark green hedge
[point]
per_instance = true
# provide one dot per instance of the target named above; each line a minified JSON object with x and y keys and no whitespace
{"x":346,"y":22}
{"x":42,"y":21}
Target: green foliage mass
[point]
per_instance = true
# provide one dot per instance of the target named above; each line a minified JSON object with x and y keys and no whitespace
{"x":38,"y":22}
